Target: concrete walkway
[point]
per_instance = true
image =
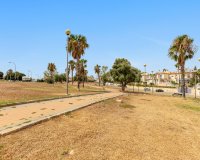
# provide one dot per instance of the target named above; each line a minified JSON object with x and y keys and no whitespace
{"x":14,"y":118}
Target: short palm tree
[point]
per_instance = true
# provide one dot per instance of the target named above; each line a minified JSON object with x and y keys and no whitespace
{"x":51,"y":68}
{"x":72,"y":65}
{"x":83,"y":71}
{"x":97,"y":70}
{"x":180,"y":51}
{"x":76,"y":47}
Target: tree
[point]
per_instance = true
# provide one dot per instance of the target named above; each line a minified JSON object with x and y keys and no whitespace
{"x":72,"y":65}
{"x":197,"y":74}
{"x":123,"y":73}
{"x":90,"y":79}
{"x":180,"y":51}
{"x":138,"y":78}
{"x":49,"y":74}
{"x":76,"y":47}
{"x":105,"y":75}
{"x":60,"y":77}
{"x":1,"y":75}
{"x":97,"y":70}
{"x":178,"y":69}
{"x":83,"y":71}
{"x":10,"y":75}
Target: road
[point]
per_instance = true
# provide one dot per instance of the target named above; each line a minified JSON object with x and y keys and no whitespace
{"x":167,"y":91}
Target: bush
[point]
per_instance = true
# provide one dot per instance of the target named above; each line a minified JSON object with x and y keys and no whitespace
{"x":50,"y":81}
{"x":40,"y":80}
{"x":1,"y":75}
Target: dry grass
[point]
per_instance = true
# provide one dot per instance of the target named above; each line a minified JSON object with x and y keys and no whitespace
{"x":12,"y":92}
{"x":155,"y":128}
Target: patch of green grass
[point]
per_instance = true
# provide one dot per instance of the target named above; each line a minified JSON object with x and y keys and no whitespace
{"x":125,"y":105}
{"x":190,"y":107}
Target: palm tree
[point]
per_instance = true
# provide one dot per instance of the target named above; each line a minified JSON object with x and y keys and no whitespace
{"x":97,"y":70}
{"x":178,"y":69}
{"x":180,"y":51}
{"x":83,"y":71}
{"x":72,"y":65}
{"x":76,"y":47}
{"x":51,"y":68}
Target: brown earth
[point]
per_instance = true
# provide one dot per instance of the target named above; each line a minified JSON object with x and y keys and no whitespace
{"x":143,"y":127}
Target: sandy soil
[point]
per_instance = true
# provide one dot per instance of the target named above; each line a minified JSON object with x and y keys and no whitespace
{"x":143,"y":127}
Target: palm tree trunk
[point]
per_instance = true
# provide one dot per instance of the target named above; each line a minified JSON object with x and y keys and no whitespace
{"x":72,"y":78}
{"x":83,"y":81}
{"x":183,"y":79}
{"x":178,"y":77}
{"x":123,"y":87}
{"x":78,"y":74}
{"x":99,"y":79}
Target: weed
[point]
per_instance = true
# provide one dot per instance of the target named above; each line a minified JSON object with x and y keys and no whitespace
{"x":124,"y":105}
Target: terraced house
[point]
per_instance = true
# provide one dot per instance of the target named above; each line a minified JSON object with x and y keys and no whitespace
{"x":167,"y":78}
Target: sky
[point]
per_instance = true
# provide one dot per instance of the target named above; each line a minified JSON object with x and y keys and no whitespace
{"x":32,"y":33}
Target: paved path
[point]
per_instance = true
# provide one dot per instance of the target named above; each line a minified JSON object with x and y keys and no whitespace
{"x":17,"y":117}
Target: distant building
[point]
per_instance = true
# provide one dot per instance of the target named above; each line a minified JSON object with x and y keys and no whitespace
{"x":26,"y":79}
{"x":167,"y":78}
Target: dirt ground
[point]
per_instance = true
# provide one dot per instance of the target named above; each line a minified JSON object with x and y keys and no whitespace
{"x":142,"y":127}
{"x":11,"y":92}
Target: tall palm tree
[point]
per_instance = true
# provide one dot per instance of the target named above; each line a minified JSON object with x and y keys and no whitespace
{"x":51,"y":68}
{"x":178,"y":69}
{"x":97,"y":70}
{"x":76,"y":47}
{"x":83,"y":66}
{"x":180,"y":51}
{"x":72,"y":65}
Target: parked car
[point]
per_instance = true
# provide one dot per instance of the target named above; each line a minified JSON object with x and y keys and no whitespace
{"x":147,"y":89}
{"x":159,"y":90}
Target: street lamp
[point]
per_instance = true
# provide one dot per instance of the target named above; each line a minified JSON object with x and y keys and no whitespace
{"x":145,"y":65}
{"x":30,"y":76}
{"x":15,"y":68}
{"x":195,"y":81}
{"x":67,"y":32}
{"x":152,"y":81}
{"x":145,"y":76}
